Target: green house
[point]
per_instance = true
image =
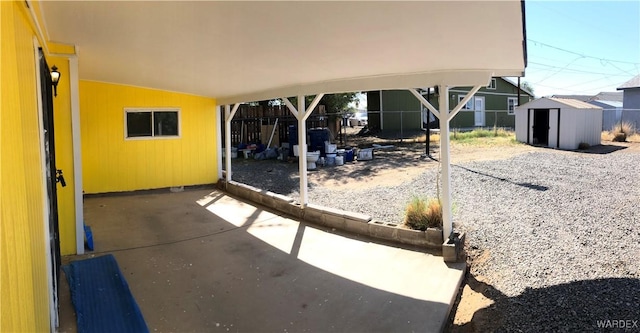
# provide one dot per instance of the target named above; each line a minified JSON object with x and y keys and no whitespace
{"x":493,"y":105}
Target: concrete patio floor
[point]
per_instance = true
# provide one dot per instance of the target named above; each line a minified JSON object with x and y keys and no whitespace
{"x":202,"y":261}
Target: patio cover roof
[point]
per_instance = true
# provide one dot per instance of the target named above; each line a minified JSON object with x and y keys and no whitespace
{"x":246,"y":51}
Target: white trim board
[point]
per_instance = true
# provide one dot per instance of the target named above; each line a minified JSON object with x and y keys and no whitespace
{"x":51,"y":284}
{"x":77,"y":152}
{"x":489,"y":93}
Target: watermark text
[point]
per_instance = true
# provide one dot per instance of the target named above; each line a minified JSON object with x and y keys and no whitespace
{"x":626,"y":324}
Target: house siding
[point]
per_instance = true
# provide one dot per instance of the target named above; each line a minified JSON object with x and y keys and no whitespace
{"x":495,"y":107}
{"x":373,"y":109}
{"x":113,"y":164}
{"x":631,"y":105}
{"x":401,"y":110}
{"x":631,"y":99}
{"x":24,"y":292}
{"x":64,"y":158}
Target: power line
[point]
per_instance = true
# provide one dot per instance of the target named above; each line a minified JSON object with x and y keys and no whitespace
{"x":582,"y":55}
{"x":586,"y":65}
{"x":574,"y":70}
{"x":559,"y":70}
{"x":574,"y":90}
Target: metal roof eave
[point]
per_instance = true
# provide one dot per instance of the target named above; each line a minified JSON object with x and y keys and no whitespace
{"x":450,"y":78}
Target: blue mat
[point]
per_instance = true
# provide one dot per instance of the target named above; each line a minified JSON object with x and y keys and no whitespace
{"x":102,"y":298}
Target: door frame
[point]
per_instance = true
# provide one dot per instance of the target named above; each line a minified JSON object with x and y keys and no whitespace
{"x":539,"y":128}
{"x":478,"y":115}
{"x":52,"y":254}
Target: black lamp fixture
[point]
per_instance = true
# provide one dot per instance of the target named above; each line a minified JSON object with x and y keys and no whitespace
{"x":55,"y":77}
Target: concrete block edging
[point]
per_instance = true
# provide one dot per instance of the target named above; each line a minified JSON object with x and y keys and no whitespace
{"x":338,"y":219}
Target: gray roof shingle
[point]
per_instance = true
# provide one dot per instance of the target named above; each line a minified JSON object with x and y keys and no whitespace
{"x":633,"y":83}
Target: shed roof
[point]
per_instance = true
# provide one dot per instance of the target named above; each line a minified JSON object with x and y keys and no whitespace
{"x":633,"y":83}
{"x":583,"y":98}
{"x":608,"y":96}
{"x":554,"y":103}
{"x":242,"y":51}
{"x":607,"y":104}
{"x":576,"y":104}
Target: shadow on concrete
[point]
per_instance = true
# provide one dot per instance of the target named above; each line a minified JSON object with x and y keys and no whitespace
{"x":602,"y":149}
{"x":191,"y":270}
{"x":523,"y":184}
{"x":611,"y":304}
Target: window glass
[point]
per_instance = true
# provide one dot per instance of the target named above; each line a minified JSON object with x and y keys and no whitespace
{"x":138,"y":124}
{"x":141,"y":123}
{"x":165,"y":123}
{"x":468,"y":105}
{"x":511,"y":104}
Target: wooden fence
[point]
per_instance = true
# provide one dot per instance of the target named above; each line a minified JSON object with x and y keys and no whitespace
{"x":254,"y":124}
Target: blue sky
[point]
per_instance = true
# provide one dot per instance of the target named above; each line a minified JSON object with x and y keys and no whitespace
{"x":581,"y":47}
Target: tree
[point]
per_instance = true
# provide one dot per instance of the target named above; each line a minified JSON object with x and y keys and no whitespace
{"x":527,"y":86}
{"x":336,"y":105}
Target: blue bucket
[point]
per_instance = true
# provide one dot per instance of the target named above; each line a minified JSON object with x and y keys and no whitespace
{"x":348,"y":155}
{"x":331,"y":159}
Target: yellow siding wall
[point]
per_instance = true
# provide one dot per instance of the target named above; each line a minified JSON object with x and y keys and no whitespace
{"x":64,"y":157}
{"x":112,"y":164}
{"x":24,"y":298}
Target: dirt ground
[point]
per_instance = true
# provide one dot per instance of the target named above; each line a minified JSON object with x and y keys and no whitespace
{"x":406,"y":160}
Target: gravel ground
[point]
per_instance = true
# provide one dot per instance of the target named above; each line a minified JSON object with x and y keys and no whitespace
{"x":555,"y":235}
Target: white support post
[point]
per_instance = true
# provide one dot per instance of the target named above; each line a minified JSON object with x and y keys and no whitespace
{"x":302,"y":114}
{"x":219,"y":123}
{"x":302,"y":151}
{"x":228,"y":116}
{"x":426,"y":103}
{"x":445,"y":163}
{"x":292,"y":108}
{"x":312,"y":106}
{"x":464,"y":101}
{"x":77,"y":152}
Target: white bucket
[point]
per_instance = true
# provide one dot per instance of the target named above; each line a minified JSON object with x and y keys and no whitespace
{"x":296,"y":152}
{"x":234,"y":152}
{"x":365,"y":154}
{"x":331,"y":159}
{"x":330,"y":148}
{"x":339,"y":160}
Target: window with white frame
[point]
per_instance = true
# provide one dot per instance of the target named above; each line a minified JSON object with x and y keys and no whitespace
{"x":492,"y":84}
{"x":152,"y":123}
{"x":469,"y":105}
{"x":512,"y":103}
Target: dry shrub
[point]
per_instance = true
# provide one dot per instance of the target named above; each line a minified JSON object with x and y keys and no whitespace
{"x":606,"y":136}
{"x":619,"y":137}
{"x":624,"y":127}
{"x":634,"y":138}
{"x":421,"y":214}
{"x":583,"y":146}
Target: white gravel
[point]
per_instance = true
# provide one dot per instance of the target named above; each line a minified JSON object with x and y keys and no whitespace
{"x":560,"y":232}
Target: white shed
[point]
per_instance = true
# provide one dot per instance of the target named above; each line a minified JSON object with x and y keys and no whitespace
{"x":558,"y":123}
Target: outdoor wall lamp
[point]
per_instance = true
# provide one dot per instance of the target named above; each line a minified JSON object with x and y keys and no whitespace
{"x":55,"y":77}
